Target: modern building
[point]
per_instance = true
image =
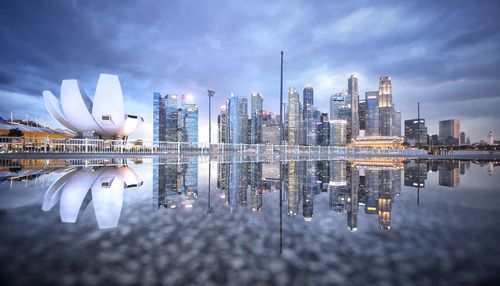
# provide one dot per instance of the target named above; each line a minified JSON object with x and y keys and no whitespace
{"x":386,"y":110}
{"x":397,"y":123}
{"x":490,"y":140}
{"x":352,"y":91}
{"x":336,"y":103}
{"x":323,"y":130}
{"x":165,"y":117}
{"x":449,"y":132}
{"x":75,"y":111}
{"x":363,"y":112}
{"x":256,"y":117}
{"x":338,"y":132}
{"x":293,"y":116}
{"x":189,"y":120}
{"x":415,"y":132}
{"x":271,"y":134}
{"x":223,"y":124}
{"x":463,"y":141}
{"x":372,"y":117}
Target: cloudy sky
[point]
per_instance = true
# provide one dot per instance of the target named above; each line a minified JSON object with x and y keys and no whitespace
{"x":445,"y":54}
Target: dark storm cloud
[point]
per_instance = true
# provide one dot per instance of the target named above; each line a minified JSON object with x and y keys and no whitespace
{"x":436,"y":51}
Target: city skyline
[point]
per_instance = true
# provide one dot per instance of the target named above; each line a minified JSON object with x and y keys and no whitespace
{"x":436,"y":58}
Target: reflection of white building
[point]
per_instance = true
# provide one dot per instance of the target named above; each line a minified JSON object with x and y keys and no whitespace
{"x":104,"y":116}
{"x":106,"y":185}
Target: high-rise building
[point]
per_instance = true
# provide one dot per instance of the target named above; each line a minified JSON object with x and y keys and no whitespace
{"x":386,"y":108}
{"x":165,"y":117}
{"x":338,"y":132}
{"x":397,"y":123}
{"x":308,"y":100}
{"x":293,"y":116}
{"x":323,"y":130}
{"x":363,"y":112}
{"x":462,"y":138}
{"x":311,"y":126}
{"x":189,"y":120}
{"x":336,"y":103}
{"x":372,"y":117}
{"x":235,"y":124}
{"x":243,"y":119}
{"x":449,"y":132}
{"x":256,"y":117}
{"x":412,"y":129}
{"x":271,"y":134}
{"x":222,"y":124}
{"x":489,"y":140}
{"x":352,"y":90}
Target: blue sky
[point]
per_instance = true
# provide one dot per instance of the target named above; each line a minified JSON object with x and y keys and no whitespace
{"x":444,"y":54}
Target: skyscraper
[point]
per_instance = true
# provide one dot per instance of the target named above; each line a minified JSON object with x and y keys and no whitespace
{"x":449,"y":132}
{"x":308,"y":117}
{"x":386,"y":109}
{"x":338,"y":132}
{"x":372,"y":117}
{"x":256,"y":117}
{"x":243,"y":119}
{"x":336,"y":103}
{"x":397,"y":123}
{"x":235,"y":124}
{"x":222,"y":124}
{"x":352,"y":90}
{"x":165,"y":117}
{"x":363,"y":112}
{"x":293,"y":116}
{"x":308,"y":99}
{"x":412,"y":129}
{"x":189,"y":120}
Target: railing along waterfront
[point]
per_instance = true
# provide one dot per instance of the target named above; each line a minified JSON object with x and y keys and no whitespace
{"x":102,"y":146}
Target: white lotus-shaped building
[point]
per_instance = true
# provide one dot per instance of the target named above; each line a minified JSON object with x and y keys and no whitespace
{"x":104,"y":116}
{"x":106,"y":186}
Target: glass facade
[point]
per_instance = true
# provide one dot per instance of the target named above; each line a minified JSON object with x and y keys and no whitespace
{"x":372,"y":117}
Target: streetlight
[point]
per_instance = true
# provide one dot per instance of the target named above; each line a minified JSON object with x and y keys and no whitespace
{"x":210,"y":95}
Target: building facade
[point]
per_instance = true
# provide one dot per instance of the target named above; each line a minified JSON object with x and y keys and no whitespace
{"x":256,"y":117}
{"x":372,"y":117}
{"x":449,"y":132}
{"x":293,"y":120}
{"x":415,"y":132}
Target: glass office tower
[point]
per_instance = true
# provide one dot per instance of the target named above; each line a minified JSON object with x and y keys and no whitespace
{"x":165,"y":117}
{"x":372,"y":117}
{"x":189,"y":120}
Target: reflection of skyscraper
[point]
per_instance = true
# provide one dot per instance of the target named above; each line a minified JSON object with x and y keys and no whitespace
{"x":256,"y":185}
{"x":292,"y":189}
{"x":372,"y":184}
{"x":352,"y":210}
{"x":386,"y":194}
{"x":310,"y":188}
{"x":415,"y":174}
{"x":449,"y":174}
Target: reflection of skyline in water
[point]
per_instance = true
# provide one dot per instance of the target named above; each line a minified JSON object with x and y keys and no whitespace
{"x":351,"y":188}
{"x":367,"y":186}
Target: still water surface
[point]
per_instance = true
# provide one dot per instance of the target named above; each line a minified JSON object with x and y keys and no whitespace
{"x":151,"y":220}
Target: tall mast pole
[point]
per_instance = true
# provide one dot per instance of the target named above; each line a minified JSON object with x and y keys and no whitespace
{"x":418,"y":125}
